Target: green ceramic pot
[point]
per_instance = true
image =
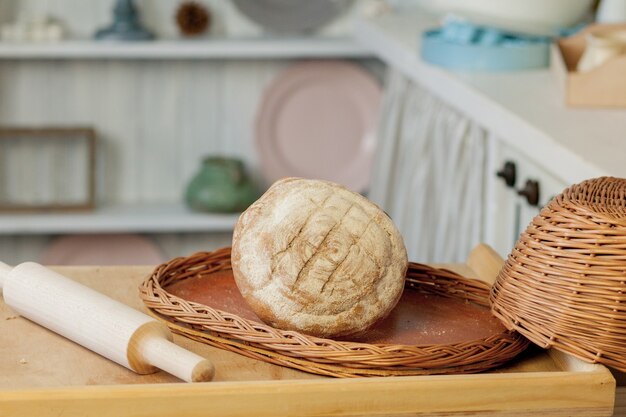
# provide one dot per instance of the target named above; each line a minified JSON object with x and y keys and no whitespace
{"x":221,"y":186}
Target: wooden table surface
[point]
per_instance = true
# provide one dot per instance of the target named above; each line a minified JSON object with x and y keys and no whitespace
{"x":33,"y":358}
{"x":36,"y":357}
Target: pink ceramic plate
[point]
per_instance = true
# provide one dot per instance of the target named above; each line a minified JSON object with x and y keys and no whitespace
{"x":318,"y":120}
{"x":102,"y":250}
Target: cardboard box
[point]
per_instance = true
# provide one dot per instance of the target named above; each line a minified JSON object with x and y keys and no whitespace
{"x":604,"y":86}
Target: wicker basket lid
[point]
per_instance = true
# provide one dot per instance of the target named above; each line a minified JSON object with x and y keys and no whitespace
{"x":564,"y":283}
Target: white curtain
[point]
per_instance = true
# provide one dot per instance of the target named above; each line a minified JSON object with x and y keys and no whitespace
{"x":429,"y":173}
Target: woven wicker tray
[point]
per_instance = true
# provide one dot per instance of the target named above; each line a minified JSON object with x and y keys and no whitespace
{"x":228,"y":323}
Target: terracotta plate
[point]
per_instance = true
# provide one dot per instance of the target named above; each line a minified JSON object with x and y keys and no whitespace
{"x":418,"y":319}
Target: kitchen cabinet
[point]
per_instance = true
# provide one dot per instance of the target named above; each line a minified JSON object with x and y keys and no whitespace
{"x":429,"y":172}
{"x":508,"y":213}
{"x":520,"y":115}
{"x":524,"y":109}
{"x":436,"y":175}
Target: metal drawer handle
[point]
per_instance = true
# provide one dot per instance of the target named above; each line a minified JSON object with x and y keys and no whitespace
{"x":531,"y":192}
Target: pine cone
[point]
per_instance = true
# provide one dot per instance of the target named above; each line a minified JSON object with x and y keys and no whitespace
{"x":192,"y":18}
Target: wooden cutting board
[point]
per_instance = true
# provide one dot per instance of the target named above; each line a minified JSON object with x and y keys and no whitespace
{"x":43,"y":374}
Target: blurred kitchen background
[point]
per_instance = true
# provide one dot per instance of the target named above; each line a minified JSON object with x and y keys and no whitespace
{"x":132,"y":132}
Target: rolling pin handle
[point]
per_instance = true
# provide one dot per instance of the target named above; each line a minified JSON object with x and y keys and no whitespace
{"x":173,"y":359}
{"x":4,"y":273}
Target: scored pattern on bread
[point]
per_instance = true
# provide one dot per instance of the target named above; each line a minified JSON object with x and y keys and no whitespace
{"x":337,"y":257}
{"x":315,"y":257}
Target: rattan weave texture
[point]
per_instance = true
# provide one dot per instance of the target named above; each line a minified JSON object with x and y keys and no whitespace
{"x":564,"y":284}
{"x":326,"y":356}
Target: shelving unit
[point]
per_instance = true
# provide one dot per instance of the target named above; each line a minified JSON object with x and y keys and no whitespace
{"x":213,"y":48}
{"x":157,"y":218}
{"x":155,"y":105}
{"x":152,"y":218}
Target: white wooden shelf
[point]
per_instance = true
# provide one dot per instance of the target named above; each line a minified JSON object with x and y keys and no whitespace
{"x":153,"y":218}
{"x":210,"y":48}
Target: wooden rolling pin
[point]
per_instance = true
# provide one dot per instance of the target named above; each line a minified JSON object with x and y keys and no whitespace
{"x":101,"y":324}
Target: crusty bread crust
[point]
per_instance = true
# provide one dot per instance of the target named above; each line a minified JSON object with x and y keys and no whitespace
{"x":312,"y":256}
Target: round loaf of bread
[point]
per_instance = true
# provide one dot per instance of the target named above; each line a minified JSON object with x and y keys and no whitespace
{"x":315,"y":257}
